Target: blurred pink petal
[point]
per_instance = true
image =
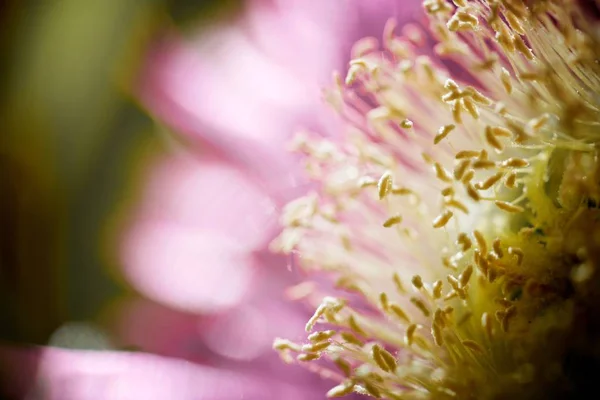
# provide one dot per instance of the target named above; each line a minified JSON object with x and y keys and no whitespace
{"x":183,"y":75}
{"x":233,"y":79}
{"x":244,"y":332}
{"x":187,"y":268}
{"x":206,"y":194}
{"x":241,"y":334}
{"x":190,"y":245}
{"x":54,"y":374}
{"x":247,"y":331}
{"x":308,"y":40}
{"x":226,"y":107}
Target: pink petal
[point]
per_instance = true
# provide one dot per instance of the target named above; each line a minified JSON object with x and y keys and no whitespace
{"x":246,"y":117}
{"x":308,"y":37}
{"x":54,"y":374}
{"x":247,"y":332}
{"x":241,"y":334}
{"x":190,"y":245}
{"x":244,"y":332}
{"x":225,"y":85}
{"x":208,"y":195}
{"x":187,"y":268}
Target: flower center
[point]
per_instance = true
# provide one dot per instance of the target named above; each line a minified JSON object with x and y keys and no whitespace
{"x":461,"y":205}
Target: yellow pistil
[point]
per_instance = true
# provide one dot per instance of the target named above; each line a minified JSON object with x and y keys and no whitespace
{"x":483,"y":193}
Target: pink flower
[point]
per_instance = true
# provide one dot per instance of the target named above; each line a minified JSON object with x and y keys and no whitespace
{"x":196,"y":248}
{"x":435,"y":209}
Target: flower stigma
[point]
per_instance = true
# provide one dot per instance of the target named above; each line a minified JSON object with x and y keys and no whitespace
{"x":459,"y":214}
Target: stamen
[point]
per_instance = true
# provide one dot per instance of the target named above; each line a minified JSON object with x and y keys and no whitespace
{"x":442,"y":219}
{"x":523,"y":129}
{"x":399,"y":312}
{"x":341,"y":390}
{"x":385,"y":184}
{"x":443,"y":132}
{"x":392,"y":221}
{"x":511,"y":208}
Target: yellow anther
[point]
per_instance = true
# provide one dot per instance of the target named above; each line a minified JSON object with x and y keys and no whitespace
{"x":443,"y":132}
{"x":385,"y":184}
{"x":505,"y":206}
{"x":442,"y":219}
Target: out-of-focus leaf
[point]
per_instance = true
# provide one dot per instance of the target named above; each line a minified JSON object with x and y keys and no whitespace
{"x":31,"y":233}
{"x":61,"y":103}
{"x":63,"y":69}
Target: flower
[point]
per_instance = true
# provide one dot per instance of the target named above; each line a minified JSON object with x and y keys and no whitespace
{"x":195,"y":247}
{"x":461,"y":206}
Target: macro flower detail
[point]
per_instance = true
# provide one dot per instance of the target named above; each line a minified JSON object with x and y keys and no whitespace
{"x":458,"y":216}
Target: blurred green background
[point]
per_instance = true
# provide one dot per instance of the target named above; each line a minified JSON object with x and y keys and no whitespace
{"x":73,"y":140}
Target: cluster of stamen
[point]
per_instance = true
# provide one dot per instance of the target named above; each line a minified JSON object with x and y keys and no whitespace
{"x":448,"y":184}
